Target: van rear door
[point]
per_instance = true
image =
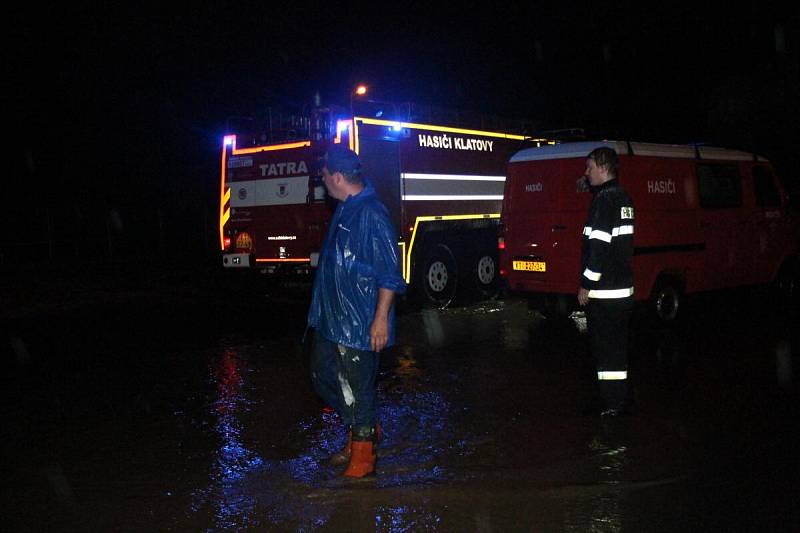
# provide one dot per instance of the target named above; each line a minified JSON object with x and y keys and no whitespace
{"x":543,"y":219}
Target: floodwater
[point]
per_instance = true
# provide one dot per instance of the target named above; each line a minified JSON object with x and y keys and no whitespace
{"x":195,"y":412}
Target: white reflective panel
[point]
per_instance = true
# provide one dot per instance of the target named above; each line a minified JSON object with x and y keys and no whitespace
{"x":611,"y":293}
{"x":452,"y":187}
{"x":612,"y":375}
{"x":425,"y":197}
{"x":458,"y":177}
{"x":274,"y":191}
{"x":594,"y":276}
{"x":601,"y":235}
{"x":622,"y":230}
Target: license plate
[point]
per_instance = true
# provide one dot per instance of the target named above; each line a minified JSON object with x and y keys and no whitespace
{"x":533,"y":266}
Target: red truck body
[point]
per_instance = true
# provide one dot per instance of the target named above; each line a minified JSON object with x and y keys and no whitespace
{"x":443,"y":187}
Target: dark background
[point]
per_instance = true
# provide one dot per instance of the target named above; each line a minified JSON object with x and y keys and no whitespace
{"x":117,"y":114}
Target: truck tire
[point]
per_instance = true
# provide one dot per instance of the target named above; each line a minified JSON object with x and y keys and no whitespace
{"x":485,"y":278}
{"x":666,"y":301}
{"x":439,"y":277}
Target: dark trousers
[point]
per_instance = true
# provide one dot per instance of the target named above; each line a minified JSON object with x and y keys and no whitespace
{"x":345,"y":379}
{"x":607,"y":321}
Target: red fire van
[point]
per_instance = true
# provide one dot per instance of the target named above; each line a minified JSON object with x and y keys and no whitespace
{"x":706,"y":218}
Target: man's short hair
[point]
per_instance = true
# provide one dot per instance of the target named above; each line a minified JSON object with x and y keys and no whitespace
{"x":605,"y":157}
{"x":343,"y":160}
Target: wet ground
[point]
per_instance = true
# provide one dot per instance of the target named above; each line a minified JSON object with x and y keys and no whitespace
{"x":175,"y":409}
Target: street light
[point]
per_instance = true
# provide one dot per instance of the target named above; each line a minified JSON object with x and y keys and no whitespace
{"x":360,"y":90}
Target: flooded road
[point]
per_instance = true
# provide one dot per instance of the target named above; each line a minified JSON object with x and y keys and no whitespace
{"x":186,"y":414}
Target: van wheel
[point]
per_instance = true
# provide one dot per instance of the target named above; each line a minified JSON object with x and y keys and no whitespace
{"x":439,"y":277}
{"x":666,"y":302}
{"x":486,"y":280}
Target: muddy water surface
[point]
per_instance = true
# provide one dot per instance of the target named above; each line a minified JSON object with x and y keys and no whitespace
{"x":184,"y":414}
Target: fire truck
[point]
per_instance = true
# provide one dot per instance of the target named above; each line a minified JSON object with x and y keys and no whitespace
{"x":706,"y":218}
{"x":440,"y":177}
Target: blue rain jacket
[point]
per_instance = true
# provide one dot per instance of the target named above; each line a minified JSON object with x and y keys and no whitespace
{"x":359,"y":257}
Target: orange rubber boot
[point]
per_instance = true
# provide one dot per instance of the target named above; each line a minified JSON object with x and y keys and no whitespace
{"x":362,"y":460}
{"x":342,"y":457}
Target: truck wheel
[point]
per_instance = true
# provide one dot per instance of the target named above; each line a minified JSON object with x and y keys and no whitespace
{"x":666,"y":302}
{"x":486,"y":280}
{"x":439,"y":276}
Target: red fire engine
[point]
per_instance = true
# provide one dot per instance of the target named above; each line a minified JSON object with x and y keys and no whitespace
{"x":442,"y":184}
{"x":706,"y":218}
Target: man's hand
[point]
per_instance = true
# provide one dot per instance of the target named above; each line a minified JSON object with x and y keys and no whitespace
{"x":583,"y":296}
{"x":379,"y":330}
{"x":379,"y":333}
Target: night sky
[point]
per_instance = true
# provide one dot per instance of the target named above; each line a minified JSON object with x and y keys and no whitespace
{"x":127,"y":107}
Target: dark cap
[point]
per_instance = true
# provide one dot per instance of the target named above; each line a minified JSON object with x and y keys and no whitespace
{"x":340,"y":159}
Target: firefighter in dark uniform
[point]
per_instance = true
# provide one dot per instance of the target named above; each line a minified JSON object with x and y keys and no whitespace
{"x":606,"y":288}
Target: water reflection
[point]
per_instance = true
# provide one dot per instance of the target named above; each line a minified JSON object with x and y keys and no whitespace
{"x":441,"y":438}
{"x":403,"y":518}
{"x":232,"y":505}
{"x":299,"y":490}
{"x":515,"y":332}
{"x":476,"y":323}
{"x":783,"y":364}
{"x":602,"y":506}
{"x":433,"y":328}
{"x":416,"y":424}
{"x":579,"y":319}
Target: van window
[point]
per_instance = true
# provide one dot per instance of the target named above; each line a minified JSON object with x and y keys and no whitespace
{"x":719,"y":185}
{"x":767,"y":194}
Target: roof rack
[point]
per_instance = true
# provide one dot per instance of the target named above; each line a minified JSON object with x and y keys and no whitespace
{"x":564,"y":134}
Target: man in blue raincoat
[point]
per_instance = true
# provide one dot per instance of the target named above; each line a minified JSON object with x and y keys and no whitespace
{"x":352,"y":307}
